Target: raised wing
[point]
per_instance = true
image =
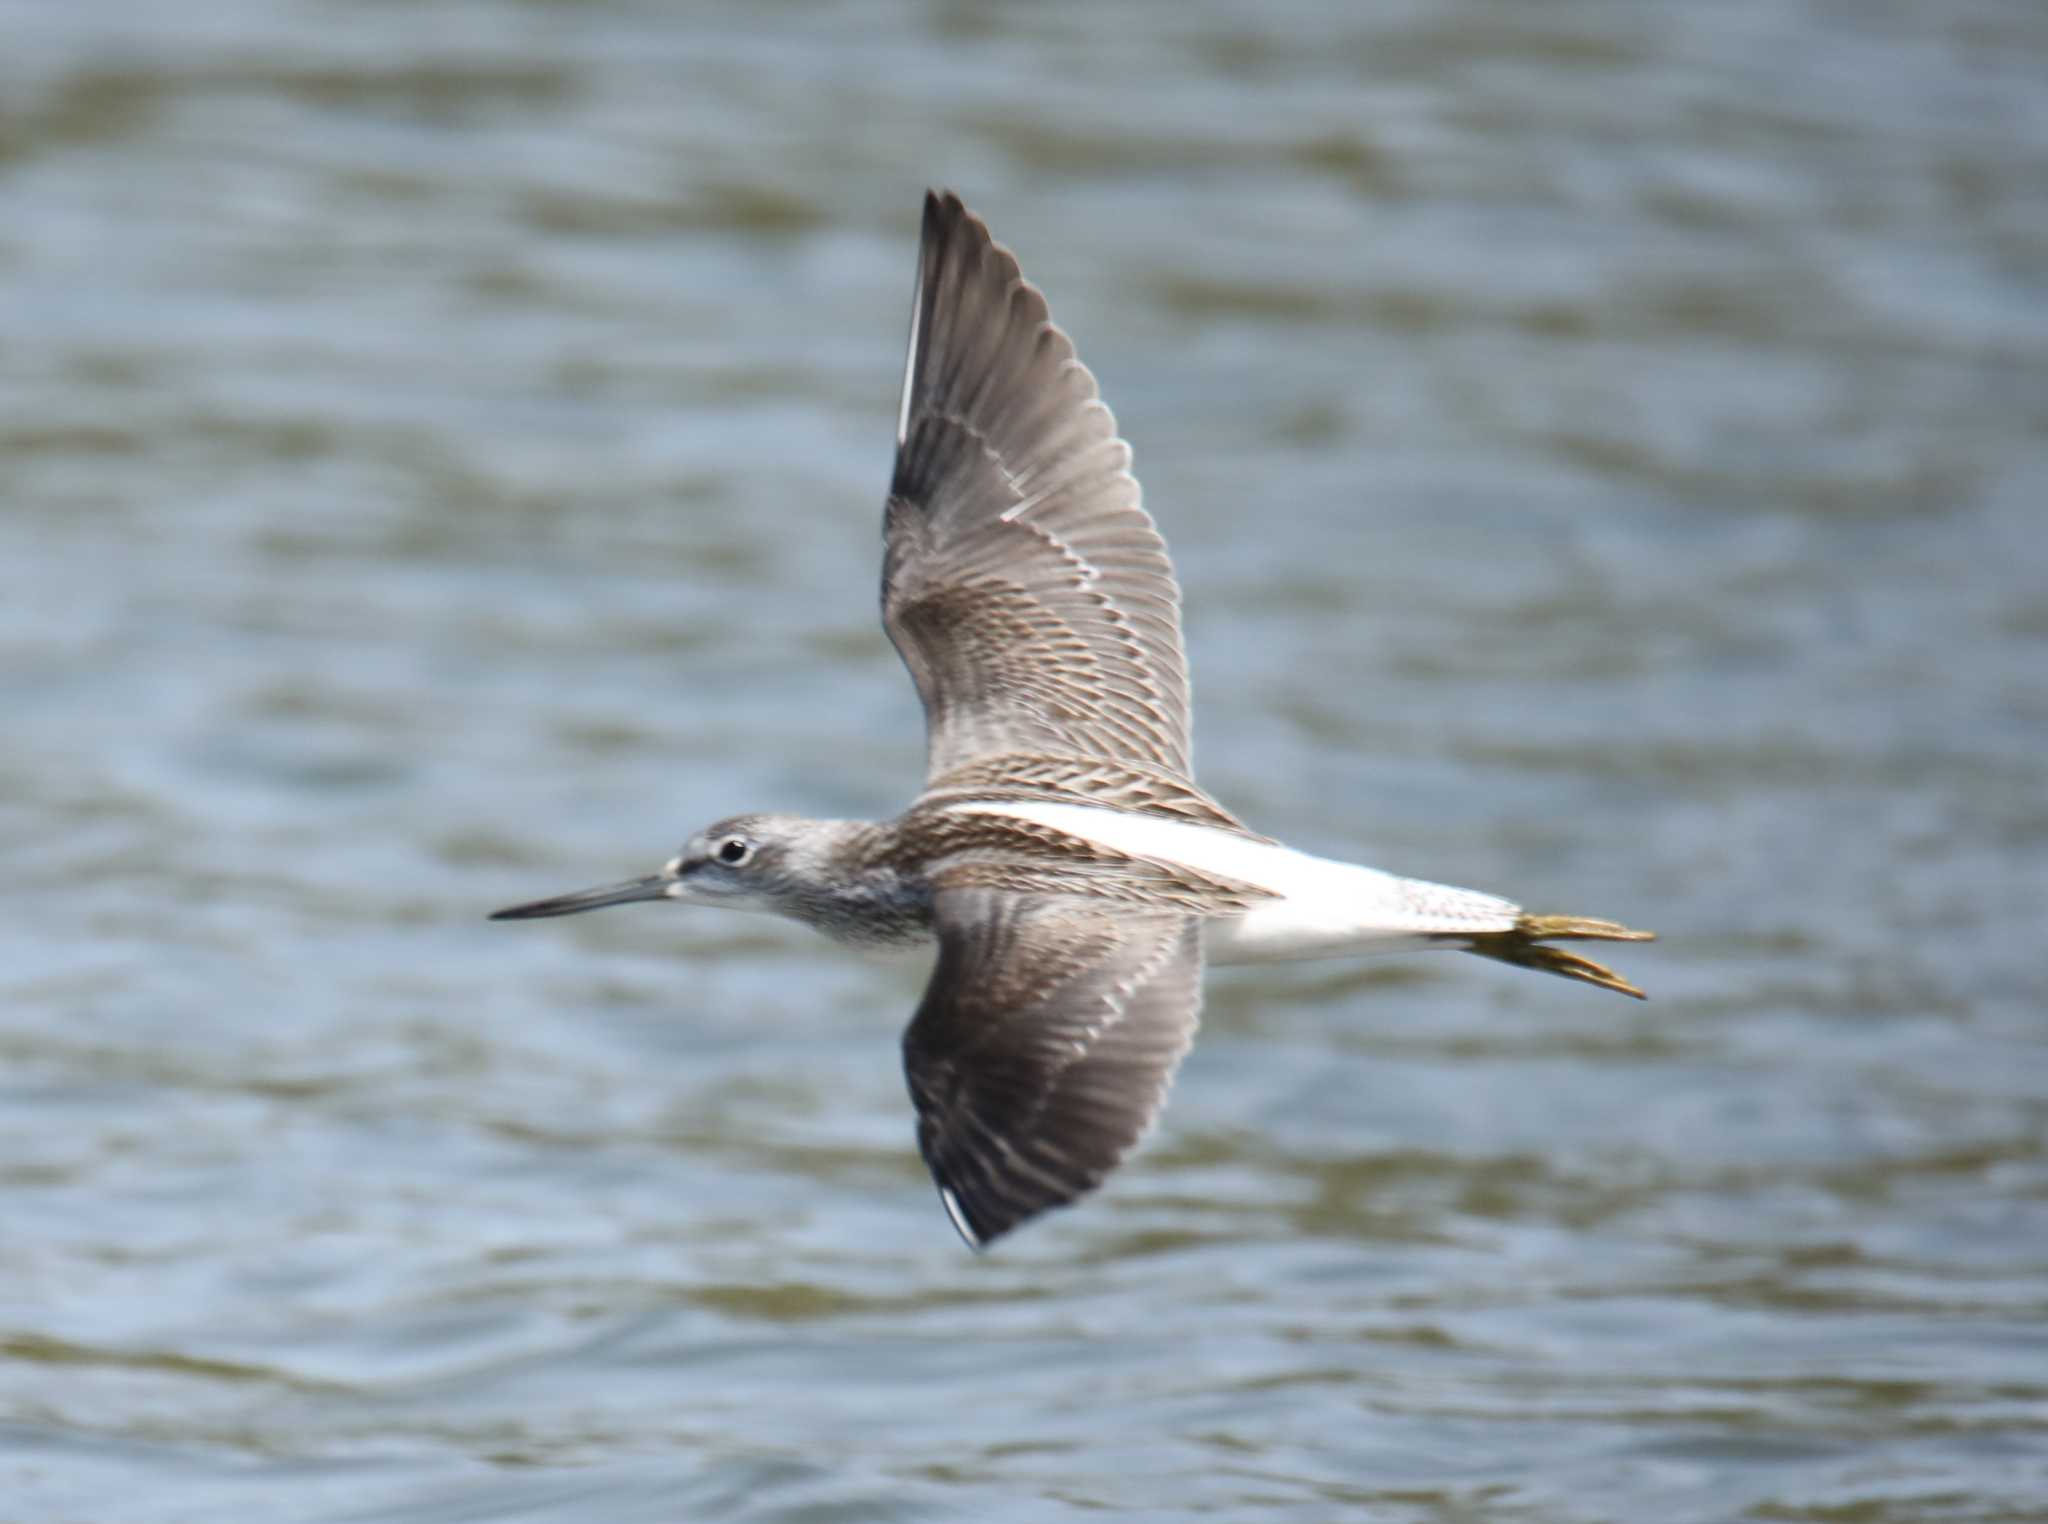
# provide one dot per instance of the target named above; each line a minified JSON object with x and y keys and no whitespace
{"x":1044,"y":1047}
{"x":1025,"y":586}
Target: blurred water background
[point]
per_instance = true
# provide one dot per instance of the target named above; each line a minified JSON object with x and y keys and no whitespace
{"x":441,"y":457}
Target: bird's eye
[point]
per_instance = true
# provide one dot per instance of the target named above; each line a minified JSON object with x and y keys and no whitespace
{"x":734,"y":850}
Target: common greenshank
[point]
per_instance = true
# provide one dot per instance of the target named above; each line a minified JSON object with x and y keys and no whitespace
{"x":1072,"y":872}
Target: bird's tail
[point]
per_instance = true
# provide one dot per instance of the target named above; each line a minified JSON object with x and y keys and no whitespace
{"x":1525,"y":946}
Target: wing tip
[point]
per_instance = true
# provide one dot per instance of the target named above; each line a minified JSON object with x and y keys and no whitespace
{"x":955,"y":236}
{"x":962,"y":1224}
{"x":947,"y":217}
{"x":943,"y":208}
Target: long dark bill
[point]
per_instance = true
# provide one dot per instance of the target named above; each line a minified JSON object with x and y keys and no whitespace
{"x":652,"y":887}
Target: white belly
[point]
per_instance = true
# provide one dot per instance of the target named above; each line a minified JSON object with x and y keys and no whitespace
{"x":1322,"y":908}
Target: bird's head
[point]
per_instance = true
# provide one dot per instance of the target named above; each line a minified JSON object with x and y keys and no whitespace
{"x":744,"y":862}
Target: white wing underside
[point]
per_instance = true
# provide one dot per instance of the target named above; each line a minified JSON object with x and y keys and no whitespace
{"x":1323,"y":908}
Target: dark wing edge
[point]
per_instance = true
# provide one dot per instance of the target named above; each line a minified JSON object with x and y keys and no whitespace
{"x":1044,"y":1048}
{"x":1024,"y":584}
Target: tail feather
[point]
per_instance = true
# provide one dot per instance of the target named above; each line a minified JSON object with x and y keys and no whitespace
{"x":1524,"y":947}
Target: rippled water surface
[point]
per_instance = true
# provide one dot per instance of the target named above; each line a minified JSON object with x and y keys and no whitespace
{"x":441,"y":454}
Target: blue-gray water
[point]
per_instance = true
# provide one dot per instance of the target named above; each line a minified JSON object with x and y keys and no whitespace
{"x":441,"y":454}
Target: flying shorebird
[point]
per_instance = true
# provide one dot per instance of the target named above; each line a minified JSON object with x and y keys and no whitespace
{"x":1071,"y":870}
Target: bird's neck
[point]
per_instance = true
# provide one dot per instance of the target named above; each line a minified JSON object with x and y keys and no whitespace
{"x":859,"y":889}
